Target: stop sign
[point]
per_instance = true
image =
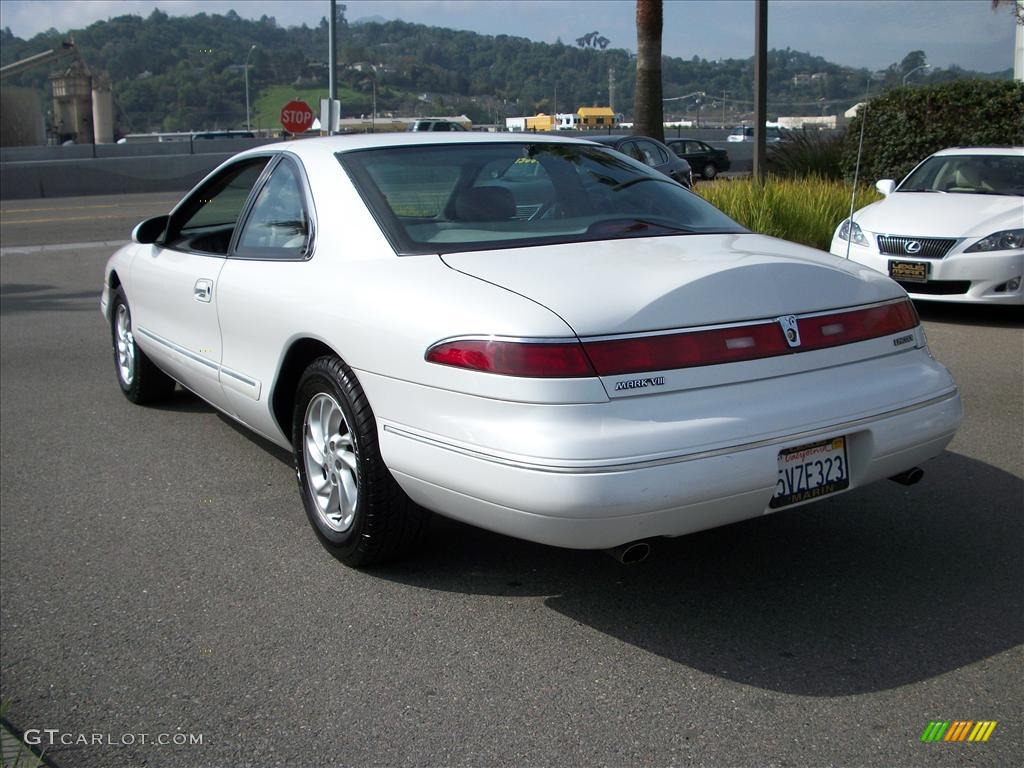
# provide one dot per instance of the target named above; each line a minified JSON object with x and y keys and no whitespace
{"x":296,"y":117}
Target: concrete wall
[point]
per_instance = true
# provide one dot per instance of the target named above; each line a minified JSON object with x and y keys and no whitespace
{"x":21,"y":117}
{"x":108,"y":169}
{"x":104,"y":176}
{"x":80,"y":151}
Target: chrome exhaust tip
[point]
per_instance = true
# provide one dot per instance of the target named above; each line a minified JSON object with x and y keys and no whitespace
{"x":910,"y":477}
{"x":631,"y":553}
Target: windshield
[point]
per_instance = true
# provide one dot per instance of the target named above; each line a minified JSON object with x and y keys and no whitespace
{"x":968,"y":174}
{"x":464,"y":197}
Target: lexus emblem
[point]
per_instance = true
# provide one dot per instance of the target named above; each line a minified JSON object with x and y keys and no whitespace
{"x":912,"y":246}
{"x":790,"y":330}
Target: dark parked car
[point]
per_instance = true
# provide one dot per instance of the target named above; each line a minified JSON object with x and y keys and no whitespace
{"x":436,"y":125}
{"x":705,"y":160}
{"x":651,"y":152}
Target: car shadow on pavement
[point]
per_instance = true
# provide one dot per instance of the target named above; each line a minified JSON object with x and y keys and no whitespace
{"x":868,"y":591}
{"x":971,"y":314}
{"x":185,"y":401}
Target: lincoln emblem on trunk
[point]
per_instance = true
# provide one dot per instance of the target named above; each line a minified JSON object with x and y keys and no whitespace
{"x":790,"y":330}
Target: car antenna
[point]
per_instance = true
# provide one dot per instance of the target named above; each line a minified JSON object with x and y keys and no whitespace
{"x":856,"y":170}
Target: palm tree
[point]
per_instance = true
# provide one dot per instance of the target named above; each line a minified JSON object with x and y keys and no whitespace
{"x":648,"y":118}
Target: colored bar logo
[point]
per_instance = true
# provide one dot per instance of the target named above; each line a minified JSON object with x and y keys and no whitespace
{"x":958,"y":730}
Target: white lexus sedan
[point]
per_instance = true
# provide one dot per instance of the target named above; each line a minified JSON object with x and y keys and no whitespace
{"x":535,"y":335}
{"x":953,"y":230}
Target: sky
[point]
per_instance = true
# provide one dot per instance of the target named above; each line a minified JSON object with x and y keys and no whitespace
{"x":858,"y":33}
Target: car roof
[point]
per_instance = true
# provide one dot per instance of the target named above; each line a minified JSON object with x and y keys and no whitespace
{"x":321,"y":147}
{"x":980,"y":151}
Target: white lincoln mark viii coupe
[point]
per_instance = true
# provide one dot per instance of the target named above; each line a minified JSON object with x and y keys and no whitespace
{"x":535,"y":335}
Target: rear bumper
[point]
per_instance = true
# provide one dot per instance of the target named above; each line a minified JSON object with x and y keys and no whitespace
{"x":604,"y":504}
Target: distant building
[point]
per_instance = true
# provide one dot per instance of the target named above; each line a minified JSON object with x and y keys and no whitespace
{"x":515,"y":123}
{"x":566,"y":121}
{"x":852,"y":111}
{"x":541,"y":122}
{"x":595,"y":117}
{"x":810,"y":121}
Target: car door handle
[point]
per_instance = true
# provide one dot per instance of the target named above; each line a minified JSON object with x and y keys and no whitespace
{"x":203,"y":290}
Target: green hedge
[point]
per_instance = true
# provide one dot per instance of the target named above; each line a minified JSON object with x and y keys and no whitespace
{"x":906,"y":125}
{"x":803,"y":211}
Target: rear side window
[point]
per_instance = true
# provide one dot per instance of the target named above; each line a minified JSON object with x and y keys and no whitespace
{"x":278,"y":225}
{"x":651,"y":153}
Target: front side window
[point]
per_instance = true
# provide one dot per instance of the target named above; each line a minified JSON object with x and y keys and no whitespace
{"x":464,"y":197}
{"x":278,"y":225}
{"x":205,"y":222}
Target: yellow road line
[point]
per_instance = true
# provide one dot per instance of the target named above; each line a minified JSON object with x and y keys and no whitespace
{"x":75,"y":208}
{"x":54,"y":220}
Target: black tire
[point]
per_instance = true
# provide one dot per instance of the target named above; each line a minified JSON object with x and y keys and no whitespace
{"x":140,"y":380}
{"x":710,"y":171}
{"x":381,"y":523}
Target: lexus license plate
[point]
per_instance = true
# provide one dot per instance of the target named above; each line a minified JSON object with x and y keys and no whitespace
{"x":811,"y":471}
{"x":910,"y":271}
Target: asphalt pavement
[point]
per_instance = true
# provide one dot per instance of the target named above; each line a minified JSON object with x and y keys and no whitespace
{"x":159,"y":584}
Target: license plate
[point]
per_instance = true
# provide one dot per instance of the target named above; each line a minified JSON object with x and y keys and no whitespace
{"x":811,"y":471}
{"x":911,"y":271}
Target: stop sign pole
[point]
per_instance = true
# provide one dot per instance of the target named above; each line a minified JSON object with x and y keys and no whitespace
{"x":296,"y":117}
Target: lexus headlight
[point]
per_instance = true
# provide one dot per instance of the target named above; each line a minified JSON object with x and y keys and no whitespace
{"x":1007,"y":240}
{"x":850,"y":230}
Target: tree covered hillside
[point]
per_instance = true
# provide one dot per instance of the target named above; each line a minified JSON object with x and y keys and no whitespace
{"x":186,"y":72}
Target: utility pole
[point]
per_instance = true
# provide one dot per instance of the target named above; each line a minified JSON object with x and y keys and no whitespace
{"x":760,"y":86}
{"x":724,"y":94}
{"x":248,"y":123}
{"x":332,"y":63}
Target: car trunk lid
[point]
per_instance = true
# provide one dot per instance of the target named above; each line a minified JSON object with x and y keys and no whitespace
{"x":656,"y":283}
{"x":652,"y":288}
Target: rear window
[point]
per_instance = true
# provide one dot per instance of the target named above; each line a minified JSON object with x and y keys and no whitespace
{"x":464,"y":197}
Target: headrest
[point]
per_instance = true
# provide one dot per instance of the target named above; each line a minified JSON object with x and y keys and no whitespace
{"x":485,"y":204}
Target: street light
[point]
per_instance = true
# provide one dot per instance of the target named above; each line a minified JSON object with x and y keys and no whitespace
{"x":923,"y":66}
{"x":248,"y":123}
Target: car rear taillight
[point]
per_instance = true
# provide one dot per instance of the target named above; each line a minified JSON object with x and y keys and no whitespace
{"x":685,"y":350}
{"x":839,"y":328}
{"x":514,"y":358}
{"x":669,"y":351}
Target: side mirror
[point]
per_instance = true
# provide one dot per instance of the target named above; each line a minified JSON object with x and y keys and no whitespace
{"x":885,"y":186}
{"x":150,"y":230}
